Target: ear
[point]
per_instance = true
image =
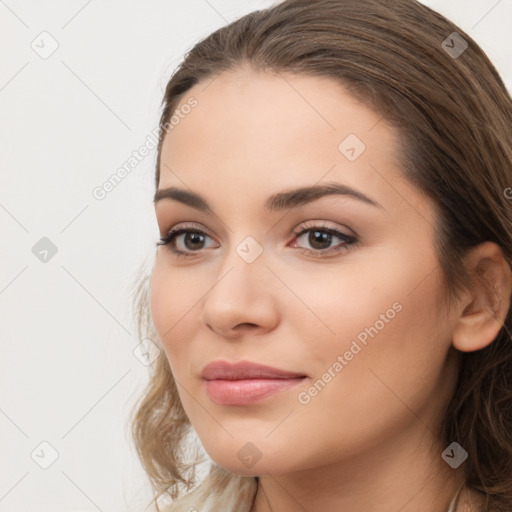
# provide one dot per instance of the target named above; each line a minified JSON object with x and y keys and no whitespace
{"x":486,"y":304}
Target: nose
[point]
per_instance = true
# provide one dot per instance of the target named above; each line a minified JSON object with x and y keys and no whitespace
{"x":241,"y":300}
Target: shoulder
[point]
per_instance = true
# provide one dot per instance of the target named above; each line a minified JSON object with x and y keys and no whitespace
{"x":220,"y":490}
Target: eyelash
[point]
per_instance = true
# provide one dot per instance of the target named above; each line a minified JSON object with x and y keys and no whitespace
{"x":350,"y":241}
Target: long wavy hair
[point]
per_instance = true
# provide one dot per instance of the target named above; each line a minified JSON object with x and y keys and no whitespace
{"x":454,"y":115}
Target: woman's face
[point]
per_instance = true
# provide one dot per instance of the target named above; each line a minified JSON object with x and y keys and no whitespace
{"x":356,"y":312}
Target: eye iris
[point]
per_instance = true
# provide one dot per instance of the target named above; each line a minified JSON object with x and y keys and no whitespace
{"x":316,"y":237}
{"x":195,"y":238}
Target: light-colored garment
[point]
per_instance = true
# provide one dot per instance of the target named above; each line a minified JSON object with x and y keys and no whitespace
{"x":455,"y":500}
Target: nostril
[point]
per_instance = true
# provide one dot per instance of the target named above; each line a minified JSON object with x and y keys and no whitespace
{"x":246,"y":325}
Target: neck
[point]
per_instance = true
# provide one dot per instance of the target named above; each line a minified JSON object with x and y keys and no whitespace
{"x":409,"y":476}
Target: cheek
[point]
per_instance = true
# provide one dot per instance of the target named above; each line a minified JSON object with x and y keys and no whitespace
{"x":385,"y":290}
{"x":177,"y":296}
{"x":160,"y":300}
{"x":393,"y":343}
{"x":174,"y":295}
{"x":169,"y":314}
{"x":387,"y":317}
{"x":338,"y":302}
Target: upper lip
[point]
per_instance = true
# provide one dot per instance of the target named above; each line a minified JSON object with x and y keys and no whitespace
{"x":245,"y":370}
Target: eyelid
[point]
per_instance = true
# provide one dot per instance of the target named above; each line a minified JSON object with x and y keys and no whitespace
{"x":311,"y":224}
{"x":186,"y":225}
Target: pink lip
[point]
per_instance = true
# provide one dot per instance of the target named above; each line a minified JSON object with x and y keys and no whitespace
{"x":245,"y":370}
{"x":244,"y":392}
{"x":243,"y":383}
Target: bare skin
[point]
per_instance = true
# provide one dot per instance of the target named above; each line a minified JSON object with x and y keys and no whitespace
{"x":366,"y":440}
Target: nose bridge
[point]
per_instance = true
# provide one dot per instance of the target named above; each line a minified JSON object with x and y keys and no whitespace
{"x":239,"y":295}
{"x":242,"y":268}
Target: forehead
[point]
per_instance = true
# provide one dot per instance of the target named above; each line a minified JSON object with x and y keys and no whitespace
{"x":257,"y":107}
{"x":266,"y":132}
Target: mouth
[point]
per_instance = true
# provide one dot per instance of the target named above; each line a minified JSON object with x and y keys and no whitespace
{"x":244,"y":383}
{"x":248,"y":391}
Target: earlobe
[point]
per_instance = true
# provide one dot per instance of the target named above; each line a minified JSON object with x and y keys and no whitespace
{"x":488,"y":303}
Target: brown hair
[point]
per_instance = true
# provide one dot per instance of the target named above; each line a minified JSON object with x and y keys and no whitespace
{"x":454,"y":115}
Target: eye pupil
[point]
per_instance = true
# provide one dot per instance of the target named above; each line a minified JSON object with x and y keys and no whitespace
{"x":195,"y":238}
{"x":316,"y":237}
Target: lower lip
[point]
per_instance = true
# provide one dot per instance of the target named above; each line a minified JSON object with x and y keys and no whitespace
{"x":244,"y":392}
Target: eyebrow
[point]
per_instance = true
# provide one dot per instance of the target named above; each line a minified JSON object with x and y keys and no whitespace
{"x":277,"y":202}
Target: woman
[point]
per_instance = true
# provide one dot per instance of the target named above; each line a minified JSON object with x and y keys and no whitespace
{"x":332,"y":286}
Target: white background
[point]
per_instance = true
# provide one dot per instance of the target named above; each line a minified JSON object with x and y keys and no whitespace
{"x":68,"y":375}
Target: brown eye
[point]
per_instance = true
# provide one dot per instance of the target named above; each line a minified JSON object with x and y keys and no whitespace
{"x":184,"y":241}
{"x":320,"y":238}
